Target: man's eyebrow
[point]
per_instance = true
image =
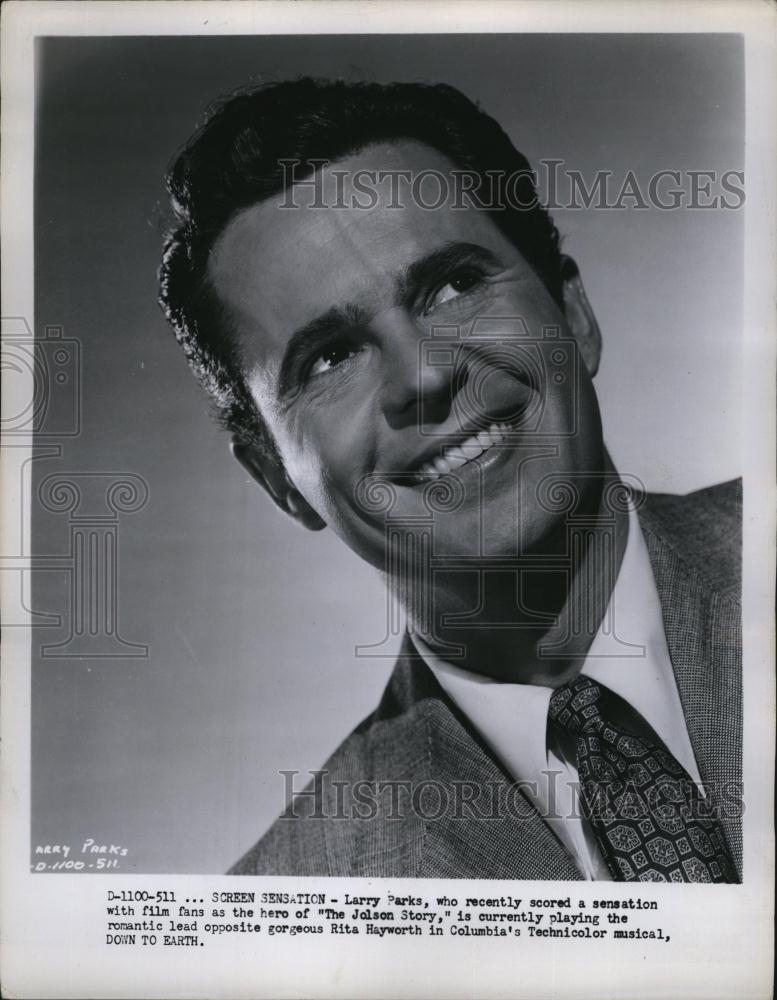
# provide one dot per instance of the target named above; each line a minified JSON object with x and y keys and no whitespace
{"x":440,"y":263}
{"x":304,"y":340}
{"x":417,"y":277}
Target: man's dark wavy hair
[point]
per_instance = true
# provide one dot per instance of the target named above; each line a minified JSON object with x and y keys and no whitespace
{"x":234,"y":160}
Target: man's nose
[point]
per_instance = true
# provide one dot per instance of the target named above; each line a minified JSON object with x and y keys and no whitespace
{"x":416,"y":388}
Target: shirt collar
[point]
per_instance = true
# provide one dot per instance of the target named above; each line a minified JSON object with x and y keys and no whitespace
{"x":512,"y":718}
{"x":629,"y":655}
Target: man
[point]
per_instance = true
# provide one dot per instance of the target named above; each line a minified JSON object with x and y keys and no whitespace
{"x":363,"y":279}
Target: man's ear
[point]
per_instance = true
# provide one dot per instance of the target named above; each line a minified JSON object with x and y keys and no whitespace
{"x":272,"y":477}
{"x":580,"y":316}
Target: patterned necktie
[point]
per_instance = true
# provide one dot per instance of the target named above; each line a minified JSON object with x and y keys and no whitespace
{"x":645,"y":810}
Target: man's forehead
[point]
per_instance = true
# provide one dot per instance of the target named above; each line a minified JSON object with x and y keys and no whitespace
{"x":356,"y":191}
{"x":283,"y":259}
{"x":383,"y":166}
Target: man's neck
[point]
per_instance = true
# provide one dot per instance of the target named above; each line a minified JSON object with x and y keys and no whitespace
{"x":535,"y":626}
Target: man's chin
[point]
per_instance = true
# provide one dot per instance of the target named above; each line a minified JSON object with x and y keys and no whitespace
{"x":489,"y":532}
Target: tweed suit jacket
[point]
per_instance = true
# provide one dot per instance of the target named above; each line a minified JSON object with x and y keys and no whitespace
{"x":469,"y":820}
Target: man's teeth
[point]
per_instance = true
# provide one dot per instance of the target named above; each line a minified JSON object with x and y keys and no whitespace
{"x":473,"y":447}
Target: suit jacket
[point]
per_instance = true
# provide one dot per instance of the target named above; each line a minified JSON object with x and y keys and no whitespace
{"x":417,"y":742}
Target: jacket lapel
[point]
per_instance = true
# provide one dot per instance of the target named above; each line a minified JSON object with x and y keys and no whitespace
{"x":703,"y":635}
{"x":489,"y":829}
{"x":501,"y":835}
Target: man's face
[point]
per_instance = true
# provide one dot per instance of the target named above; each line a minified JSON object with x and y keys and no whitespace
{"x":338,"y":313}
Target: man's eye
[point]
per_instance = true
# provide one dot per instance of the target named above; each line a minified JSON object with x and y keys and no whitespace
{"x":331,"y":357}
{"x":458,"y":285}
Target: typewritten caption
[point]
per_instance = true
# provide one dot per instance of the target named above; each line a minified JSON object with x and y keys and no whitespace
{"x":164,"y":919}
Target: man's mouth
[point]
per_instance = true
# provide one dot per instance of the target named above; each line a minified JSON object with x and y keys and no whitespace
{"x":466,"y":451}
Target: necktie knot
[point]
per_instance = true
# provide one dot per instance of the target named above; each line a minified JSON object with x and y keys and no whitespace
{"x":574,"y":707}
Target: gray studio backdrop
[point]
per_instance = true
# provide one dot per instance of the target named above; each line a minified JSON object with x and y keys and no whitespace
{"x":241,"y":627}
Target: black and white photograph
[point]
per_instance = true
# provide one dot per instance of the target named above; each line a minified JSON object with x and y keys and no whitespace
{"x":388,"y":457}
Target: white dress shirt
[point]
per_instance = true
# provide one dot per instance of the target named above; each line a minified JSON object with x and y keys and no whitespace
{"x":629,"y":655}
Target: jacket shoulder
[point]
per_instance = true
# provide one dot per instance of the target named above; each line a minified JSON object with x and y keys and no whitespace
{"x":330,"y":827}
{"x":704,"y":528}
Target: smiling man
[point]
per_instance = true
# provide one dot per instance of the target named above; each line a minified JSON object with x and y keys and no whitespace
{"x":363,"y":279}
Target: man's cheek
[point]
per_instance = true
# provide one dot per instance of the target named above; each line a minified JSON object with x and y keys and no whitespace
{"x":342,"y":482}
{"x":306,"y":473}
{"x":299,"y":449}
{"x":320,"y":473}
